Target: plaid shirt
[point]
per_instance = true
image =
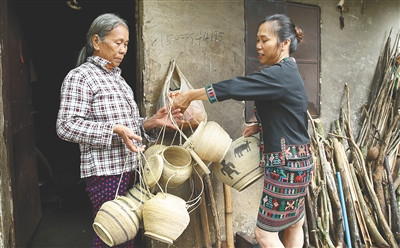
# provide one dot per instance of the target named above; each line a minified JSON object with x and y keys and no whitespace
{"x":93,"y":100}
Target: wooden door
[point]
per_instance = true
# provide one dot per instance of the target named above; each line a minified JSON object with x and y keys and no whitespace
{"x":18,"y":113}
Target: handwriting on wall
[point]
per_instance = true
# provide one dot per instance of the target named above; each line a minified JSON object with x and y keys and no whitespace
{"x":194,"y":38}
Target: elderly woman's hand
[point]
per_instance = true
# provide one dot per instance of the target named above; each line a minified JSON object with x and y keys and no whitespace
{"x":128,"y":136}
{"x":164,"y":118}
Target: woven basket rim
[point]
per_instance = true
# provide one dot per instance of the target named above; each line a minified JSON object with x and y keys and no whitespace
{"x":109,"y":241}
{"x":181,"y":148}
{"x":159,"y":237}
{"x":156,"y":169}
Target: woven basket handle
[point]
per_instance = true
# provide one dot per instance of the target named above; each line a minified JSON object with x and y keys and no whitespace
{"x":196,"y":157}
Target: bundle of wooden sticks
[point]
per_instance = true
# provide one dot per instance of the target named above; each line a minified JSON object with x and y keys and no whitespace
{"x":354,"y":197}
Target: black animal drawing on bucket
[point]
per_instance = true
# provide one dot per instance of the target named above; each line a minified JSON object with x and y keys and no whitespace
{"x":228,"y":168}
{"x":240,"y":148}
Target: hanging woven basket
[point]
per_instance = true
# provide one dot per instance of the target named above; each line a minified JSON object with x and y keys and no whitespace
{"x":177,"y":166}
{"x":139,"y":196}
{"x":165,"y":217}
{"x":152,"y":169}
{"x":154,"y":149}
{"x":240,"y":166}
{"x":117,"y":221}
{"x":210,"y":141}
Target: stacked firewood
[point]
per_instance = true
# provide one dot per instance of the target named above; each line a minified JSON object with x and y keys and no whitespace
{"x":352,"y":197}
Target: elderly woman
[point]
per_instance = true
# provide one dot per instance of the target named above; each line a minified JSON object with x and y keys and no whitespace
{"x":98,"y":111}
{"x":281,"y":110}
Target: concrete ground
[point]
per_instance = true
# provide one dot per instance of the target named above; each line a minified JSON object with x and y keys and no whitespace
{"x":63,"y":225}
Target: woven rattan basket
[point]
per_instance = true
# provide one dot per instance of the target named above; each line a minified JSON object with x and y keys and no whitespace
{"x":240,"y":166}
{"x":139,"y":196}
{"x":165,"y":217}
{"x":177,"y":166}
{"x":210,"y":141}
{"x":152,"y":169}
{"x":154,"y":149}
{"x":117,"y":221}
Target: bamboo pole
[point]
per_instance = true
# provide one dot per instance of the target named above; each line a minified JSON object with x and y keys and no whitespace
{"x":325,"y":234}
{"x":341,"y":160}
{"x":228,"y":216}
{"x":197,"y":228}
{"x":204,"y":218}
{"x":346,"y":224}
{"x":379,"y":169}
{"x":312,"y":220}
{"x":204,"y":222}
{"x":375,"y":203}
{"x":210,"y":193}
{"x":393,"y":203}
{"x":313,"y":191}
{"x":369,"y":220}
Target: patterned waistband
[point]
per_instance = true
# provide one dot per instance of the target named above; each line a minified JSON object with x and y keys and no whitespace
{"x":289,"y":152}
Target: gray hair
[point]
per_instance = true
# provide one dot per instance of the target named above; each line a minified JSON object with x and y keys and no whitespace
{"x":101,"y":26}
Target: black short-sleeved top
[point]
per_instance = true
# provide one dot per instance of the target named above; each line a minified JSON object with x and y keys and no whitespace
{"x":280,"y":99}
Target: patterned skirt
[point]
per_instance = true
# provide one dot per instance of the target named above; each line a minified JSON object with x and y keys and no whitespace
{"x":286,"y":179}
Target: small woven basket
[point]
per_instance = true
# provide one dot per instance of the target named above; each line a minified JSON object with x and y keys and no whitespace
{"x":177,"y":166}
{"x":138,"y":195}
{"x":152,"y":169}
{"x":117,"y":221}
{"x":165,"y":217}
{"x":154,"y":149}
{"x":210,"y":141}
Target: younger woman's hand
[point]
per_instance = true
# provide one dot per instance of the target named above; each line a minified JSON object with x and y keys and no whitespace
{"x":250,"y":130}
{"x":180,"y":100}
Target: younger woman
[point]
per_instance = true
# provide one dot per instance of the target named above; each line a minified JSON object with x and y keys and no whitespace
{"x":281,"y":110}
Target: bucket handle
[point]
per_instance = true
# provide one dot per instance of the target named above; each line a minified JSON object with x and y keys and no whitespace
{"x":189,"y":203}
{"x":197,"y":199}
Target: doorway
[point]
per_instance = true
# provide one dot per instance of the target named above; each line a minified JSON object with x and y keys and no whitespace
{"x":55,"y":31}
